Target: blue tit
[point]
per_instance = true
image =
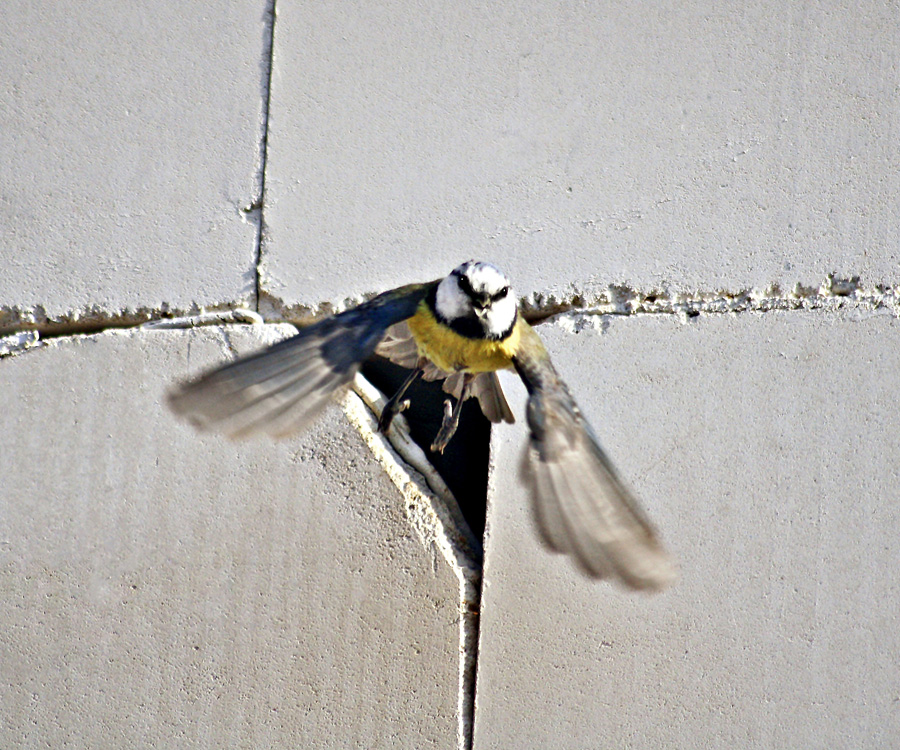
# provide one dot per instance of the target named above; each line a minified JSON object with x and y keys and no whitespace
{"x":462,"y":329}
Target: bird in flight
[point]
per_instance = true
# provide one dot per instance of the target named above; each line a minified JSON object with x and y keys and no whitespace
{"x":462,"y":328}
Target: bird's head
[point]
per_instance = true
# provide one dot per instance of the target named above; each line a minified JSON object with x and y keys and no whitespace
{"x":478,"y":292}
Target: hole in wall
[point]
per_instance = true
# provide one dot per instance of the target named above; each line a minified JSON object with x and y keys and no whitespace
{"x":464,"y":463}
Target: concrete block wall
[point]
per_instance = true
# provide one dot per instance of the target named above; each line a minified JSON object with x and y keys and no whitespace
{"x":706,"y":199}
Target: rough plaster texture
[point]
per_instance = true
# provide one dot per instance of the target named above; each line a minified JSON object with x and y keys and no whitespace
{"x":684,"y":146}
{"x":764,"y":447}
{"x":130,"y":145}
{"x":162,"y":589}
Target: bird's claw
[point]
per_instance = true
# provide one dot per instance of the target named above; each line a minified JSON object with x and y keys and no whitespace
{"x":389,"y":412}
{"x":448,"y":427}
{"x":387,"y":416}
{"x":394,"y":405}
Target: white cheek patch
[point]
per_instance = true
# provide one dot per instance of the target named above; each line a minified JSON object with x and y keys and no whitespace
{"x":501,"y":315}
{"x":449,"y":301}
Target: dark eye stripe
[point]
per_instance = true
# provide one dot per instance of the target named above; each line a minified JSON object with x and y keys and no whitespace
{"x":466,"y":285}
{"x":501,"y":294}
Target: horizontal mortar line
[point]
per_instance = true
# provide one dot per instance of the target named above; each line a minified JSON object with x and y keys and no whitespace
{"x":716,"y":306}
{"x":834,"y":295}
{"x":624,"y":300}
{"x":144,"y":320}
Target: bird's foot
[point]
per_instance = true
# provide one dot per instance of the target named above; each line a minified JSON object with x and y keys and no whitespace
{"x":397,"y":403}
{"x":389,"y":412}
{"x":448,"y":426}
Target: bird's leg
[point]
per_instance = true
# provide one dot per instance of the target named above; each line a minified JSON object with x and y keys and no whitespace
{"x":394,"y":406}
{"x":451,"y":417}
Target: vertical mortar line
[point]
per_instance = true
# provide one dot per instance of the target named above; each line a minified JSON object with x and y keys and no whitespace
{"x":470,"y":636}
{"x":266,"y":96}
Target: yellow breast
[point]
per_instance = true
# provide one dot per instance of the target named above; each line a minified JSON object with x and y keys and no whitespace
{"x":452,"y":352}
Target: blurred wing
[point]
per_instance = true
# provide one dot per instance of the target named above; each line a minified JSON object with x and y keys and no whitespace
{"x":581,"y":505}
{"x":399,"y":347}
{"x":281,"y":389}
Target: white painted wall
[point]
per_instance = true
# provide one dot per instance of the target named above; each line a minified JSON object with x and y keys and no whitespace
{"x":711,"y":158}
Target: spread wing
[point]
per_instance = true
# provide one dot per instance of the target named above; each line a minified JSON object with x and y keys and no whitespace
{"x":400,"y":348}
{"x":581,"y":505}
{"x":281,"y":389}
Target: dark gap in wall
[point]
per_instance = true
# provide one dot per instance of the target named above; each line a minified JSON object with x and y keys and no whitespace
{"x":464,"y":463}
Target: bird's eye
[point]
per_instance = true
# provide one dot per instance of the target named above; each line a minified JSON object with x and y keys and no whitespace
{"x":501,"y":294}
{"x":466,"y":285}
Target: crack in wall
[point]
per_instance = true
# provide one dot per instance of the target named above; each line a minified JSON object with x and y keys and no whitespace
{"x":434,"y":514}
